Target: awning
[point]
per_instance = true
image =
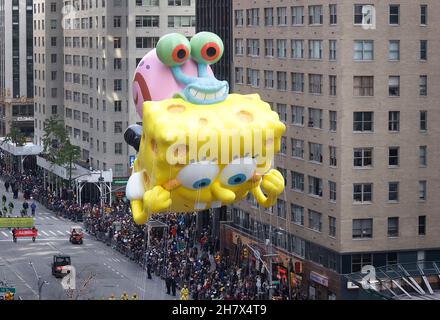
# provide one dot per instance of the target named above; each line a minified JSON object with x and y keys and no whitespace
{"x":28,"y":149}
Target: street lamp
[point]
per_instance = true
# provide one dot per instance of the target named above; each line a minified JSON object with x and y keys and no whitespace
{"x":40,"y":281}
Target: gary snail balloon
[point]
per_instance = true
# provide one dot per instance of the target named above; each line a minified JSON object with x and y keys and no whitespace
{"x":199,"y":147}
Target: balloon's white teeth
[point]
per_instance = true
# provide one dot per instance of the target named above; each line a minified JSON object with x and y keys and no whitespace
{"x":200,"y":205}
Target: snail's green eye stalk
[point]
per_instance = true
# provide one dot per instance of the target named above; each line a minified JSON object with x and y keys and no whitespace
{"x":173,"y":49}
{"x":206,"y":48}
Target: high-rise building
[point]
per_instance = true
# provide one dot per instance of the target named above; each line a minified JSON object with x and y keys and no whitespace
{"x":89,"y":51}
{"x":356,"y":85}
{"x":216,"y":16}
{"x":16,"y":67}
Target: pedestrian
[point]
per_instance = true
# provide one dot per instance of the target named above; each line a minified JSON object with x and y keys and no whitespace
{"x":149,"y":268}
{"x":25,"y":207}
{"x":174,"y":282}
{"x":184,"y":293}
{"x":168,"y":280}
{"x":7,"y":185}
{"x":11,"y":207}
{"x":4,"y":200}
{"x":33,"y":208}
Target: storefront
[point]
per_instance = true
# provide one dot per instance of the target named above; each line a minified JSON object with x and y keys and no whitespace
{"x":320,"y":283}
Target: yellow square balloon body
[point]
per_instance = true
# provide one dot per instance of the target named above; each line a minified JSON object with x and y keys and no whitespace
{"x":179,"y":138}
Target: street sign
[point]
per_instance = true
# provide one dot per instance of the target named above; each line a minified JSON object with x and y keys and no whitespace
{"x":6,"y":289}
{"x":17,"y":222}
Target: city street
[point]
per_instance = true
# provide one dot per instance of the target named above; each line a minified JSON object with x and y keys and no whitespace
{"x":107,"y":271}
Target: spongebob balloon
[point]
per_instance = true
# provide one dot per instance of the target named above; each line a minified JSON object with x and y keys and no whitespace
{"x":199,"y":147}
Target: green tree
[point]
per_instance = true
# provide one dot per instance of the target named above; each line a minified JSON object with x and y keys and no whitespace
{"x":57,"y":146}
{"x":15,"y":136}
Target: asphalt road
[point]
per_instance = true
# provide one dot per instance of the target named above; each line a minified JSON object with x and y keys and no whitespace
{"x":100,"y":270}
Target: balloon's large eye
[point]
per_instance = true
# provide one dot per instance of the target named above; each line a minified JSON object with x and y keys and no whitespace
{"x":198,"y":175}
{"x":238,"y":171}
{"x":206,"y":47}
{"x":173,"y":49}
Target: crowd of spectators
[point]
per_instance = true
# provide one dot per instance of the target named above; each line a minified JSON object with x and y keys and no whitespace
{"x":175,"y":252}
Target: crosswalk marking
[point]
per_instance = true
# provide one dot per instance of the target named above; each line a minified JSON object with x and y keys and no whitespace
{"x":55,"y":218}
{"x":67,"y":232}
{"x":45,"y":233}
{"x":60,"y":232}
{"x":5,"y":234}
{"x":52,"y":232}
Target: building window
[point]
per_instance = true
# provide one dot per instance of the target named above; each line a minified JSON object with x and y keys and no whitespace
{"x":144,"y":42}
{"x":239,"y":75}
{"x":282,"y":48}
{"x":297,"y":15}
{"x":394,"y":50}
{"x":394,"y":86}
{"x":297,"y":82}
{"x":118,"y":148}
{"x":423,"y":156}
{"x":333,"y":10}
{"x":332,"y":156}
{"x":268,"y":79}
{"x":281,"y":208}
{"x":282,"y":111}
{"x":297,"y":148}
{"x":393,"y":227}
{"x":147,"y":21}
{"x":423,"y":85}
{"x":315,"y":152}
{"x":332,"y":190}
{"x":363,"y":86}
{"x":393,"y":156}
{"x":268,"y":48}
{"x":253,"y":47}
{"x":253,"y":77}
{"x":181,"y":21}
{"x":268,"y":17}
{"x":297,"y":49}
{"x":362,"y":192}
{"x":315,"y":118}
{"x":422,"y":190}
{"x":297,"y":214}
{"x":333,"y":118}
{"x":394,"y":14}
{"x":282,"y":80}
{"x":239,"y":19}
{"x":283,"y":150}
{"x":363,"y":122}
{"x":332,"y":85}
{"x":393,"y":191}
{"x":422,"y":225}
{"x":297,"y":181}
{"x":298,"y":115}
{"x":363,"y":14}
{"x":423,"y":120}
{"x":315,"y":220}
{"x":315,"y":49}
{"x":394,"y":121}
{"x":117,"y":85}
{"x":252,"y":17}
{"x":362,"y":228}
{"x":315,"y":83}
{"x":332,"y":50}
{"x":363,"y":50}
{"x":315,"y":186}
{"x":282,"y":16}
{"x":423,"y":14}
{"x":332,"y":226}
{"x":315,"y":15}
{"x":424,"y":50}
{"x":239,"y":47}
{"x":358,"y":261}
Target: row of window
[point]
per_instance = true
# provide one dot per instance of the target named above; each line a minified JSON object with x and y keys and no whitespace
{"x":363,"y":86}
{"x":363,"y":14}
{"x":155,"y":3}
{"x":363,"y":50}
{"x":84,"y":136}
{"x":145,"y":21}
{"x":363,"y":121}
